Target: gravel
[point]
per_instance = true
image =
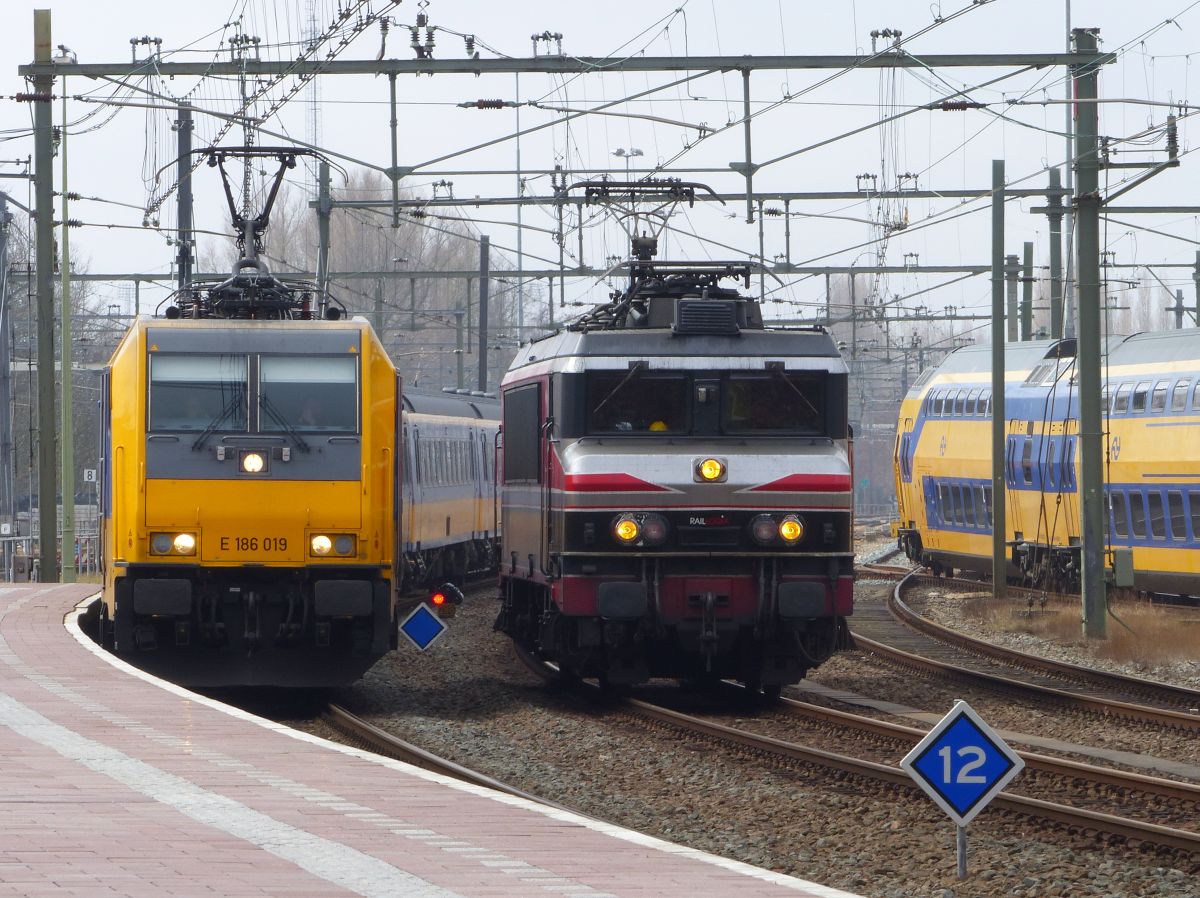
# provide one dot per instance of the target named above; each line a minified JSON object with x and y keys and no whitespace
{"x":470,"y":699}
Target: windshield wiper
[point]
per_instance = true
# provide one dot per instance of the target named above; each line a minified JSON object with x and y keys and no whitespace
{"x":229,"y":409}
{"x":787,"y":380}
{"x":635,"y":370}
{"x":270,"y":409}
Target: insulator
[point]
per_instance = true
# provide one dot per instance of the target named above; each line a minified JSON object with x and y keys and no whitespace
{"x":422,"y":20}
{"x":470,"y":42}
{"x":489,"y":104}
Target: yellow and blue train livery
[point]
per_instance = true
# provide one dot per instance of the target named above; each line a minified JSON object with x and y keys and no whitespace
{"x":1152,"y":470}
{"x":249,"y":497}
{"x":448,"y":504}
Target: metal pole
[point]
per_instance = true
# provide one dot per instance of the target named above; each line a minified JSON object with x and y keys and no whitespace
{"x":44,"y":190}
{"x":1011,"y":270}
{"x":1069,"y":244}
{"x":787,"y":232}
{"x":520,"y":228}
{"x":470,"y":326}
{"x":68,"y":420}
{"x":749,"y":165}
{"x":762,"y":259}
{"x":484,"y":276}
{"x":999,"y":524}
{"x":458,"y":346}
{"x":829,"y":303}
{"x":962,"y":852}
{"x":853,"y":319}
{"x":1088,"y":359}
{"x":1027,"y":293}
{"x":6,"y":446}
{"x":324,"y":209}
{"x":183,"y":232}
{"x":1178,"y":309}
{"x":394,"y":171}
{"x":412,"y":304}
{"x":1196,"y":281}
{"x":1056,"y":283}
{"x":379,"y":308}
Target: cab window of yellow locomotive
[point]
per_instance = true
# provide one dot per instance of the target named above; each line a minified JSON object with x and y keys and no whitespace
{"x":776,"y":402}
{"x":1121,"y":402}
{"x":196,"y":392}
{"x":310,"y":393}
{"x":636,"y":402}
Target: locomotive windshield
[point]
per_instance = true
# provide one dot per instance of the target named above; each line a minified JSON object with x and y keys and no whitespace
{"x":310,"y":393}
{"x":197,"y":392}
{"x":776,"y":402}
{"x":634,"y":402}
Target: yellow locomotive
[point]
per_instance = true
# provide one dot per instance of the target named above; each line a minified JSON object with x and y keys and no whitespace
{"x":249,"y":499}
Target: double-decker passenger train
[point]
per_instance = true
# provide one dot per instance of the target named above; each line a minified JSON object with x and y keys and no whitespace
{"x":676,"y":496}
{"x":1151,"y":401}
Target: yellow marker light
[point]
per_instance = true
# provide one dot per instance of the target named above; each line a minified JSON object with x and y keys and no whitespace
{"x":252,"y":463}
{"x":626,"y":530}
{"x":710,"y":469}
{"x":185,"y":544}
{"x":321,"y":545}
{"x":790,"y":529}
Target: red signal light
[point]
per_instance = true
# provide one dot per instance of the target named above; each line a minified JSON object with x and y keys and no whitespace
{"x":438,"y":599}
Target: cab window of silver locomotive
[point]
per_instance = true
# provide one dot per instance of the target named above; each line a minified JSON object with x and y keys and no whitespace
{"x":779,"y":402}
{"x":313,"y":393}
{"x":636,"y":402}
{"x":196,"y":392}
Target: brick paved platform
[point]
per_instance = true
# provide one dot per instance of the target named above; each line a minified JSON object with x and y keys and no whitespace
{"x":115,"y":783}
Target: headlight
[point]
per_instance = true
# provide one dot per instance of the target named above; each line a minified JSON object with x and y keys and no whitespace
{"x":343,"y":544}
{"x":654,"y":529}
{"x":710,"y":470}
{"x":791,"y":529}
{"x":172,"y":544}
{"x":626,"y":529}
{"x":253,"y":462}
{"x":321,"y":545}
{"x":764,"y":529}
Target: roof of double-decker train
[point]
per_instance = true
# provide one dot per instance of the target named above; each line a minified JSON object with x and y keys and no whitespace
{"x":648,"y":343}
{"x":452,"y":405}
{"x":1165,"y":346}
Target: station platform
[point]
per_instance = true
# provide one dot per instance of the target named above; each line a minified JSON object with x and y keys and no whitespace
{"x":115,"y":783}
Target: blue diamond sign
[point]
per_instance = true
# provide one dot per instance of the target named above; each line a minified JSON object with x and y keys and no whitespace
{"x":422,"y":627}
{"x":962,"y":764}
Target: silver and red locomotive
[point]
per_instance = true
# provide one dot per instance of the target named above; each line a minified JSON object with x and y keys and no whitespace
{"x":677,"y":488}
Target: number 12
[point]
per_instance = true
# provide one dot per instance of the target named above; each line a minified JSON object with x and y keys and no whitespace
{"x":965,"y":775}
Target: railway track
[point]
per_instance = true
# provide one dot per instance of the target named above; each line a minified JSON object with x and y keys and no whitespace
{"x":785,"y":753}
{"x":900,"y":635}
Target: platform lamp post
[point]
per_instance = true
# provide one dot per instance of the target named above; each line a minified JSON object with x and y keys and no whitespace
{"x":66,"y":57}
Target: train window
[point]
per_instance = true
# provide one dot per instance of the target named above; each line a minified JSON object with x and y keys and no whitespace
{"x":987,"y":502}
{"x":1158,"y":523}
{"x":1179,"y":396}
{"x":522,"y":434}
{"x":1178,"y":518}
{"x":1196,"y":397}
{"x":1139,"y":396}
{"x":1137,"y":515}
{"x":1120,"y":509}
{"x":1027,"y":461}
{"x":956,"y":503}
{"x":1050,"y":463}
{"x":198,"y":392}
{"x":971,"y":400}
{"x":1121,"y":402}
{"x":1104,"y":399}
{"x":985,"y":404}
{"x":968,"y":505}
{"x":778,"y":402}
{"x":309,"y":393}
{"x":947,"y":510}
{"x":935,"y":403}
{"x":1158,"y":401}
{"x":982,"y":510}
{"x":1068,"y":475}
{"x":1194,"y":503}
{"x":634,"y":401}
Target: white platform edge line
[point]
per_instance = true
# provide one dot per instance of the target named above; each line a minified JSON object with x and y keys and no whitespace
{"x":71,"y":622}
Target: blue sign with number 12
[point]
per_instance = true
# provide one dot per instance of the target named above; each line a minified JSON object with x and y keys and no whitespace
{"x":962,"y":763}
